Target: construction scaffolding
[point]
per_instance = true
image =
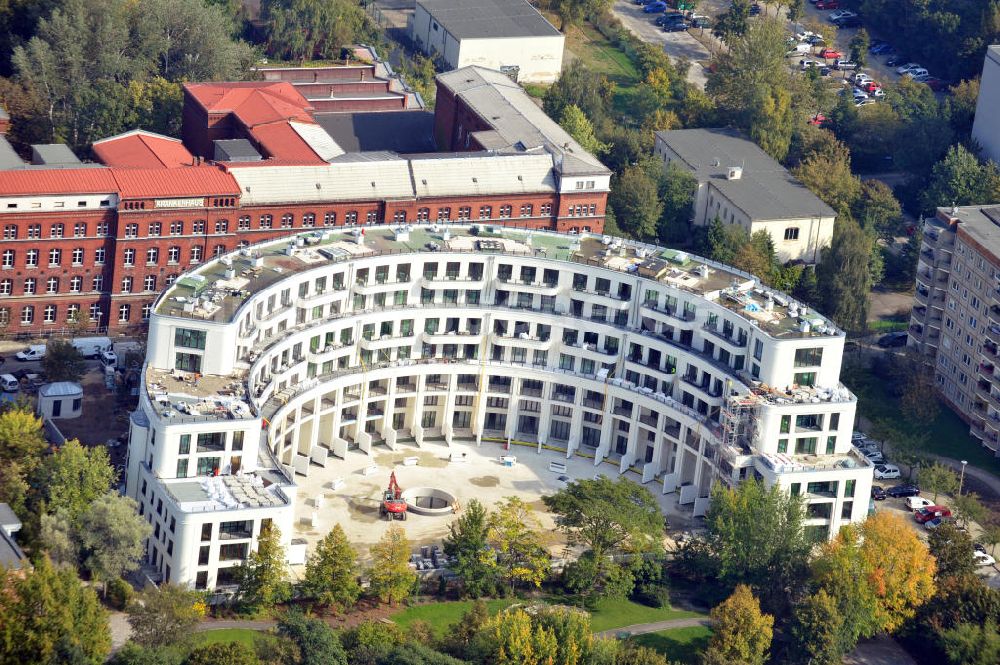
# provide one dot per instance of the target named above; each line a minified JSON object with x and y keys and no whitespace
{"x":738,"y":420}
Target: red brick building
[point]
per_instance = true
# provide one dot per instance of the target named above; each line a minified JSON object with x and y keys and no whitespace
{"x":99,"y":242}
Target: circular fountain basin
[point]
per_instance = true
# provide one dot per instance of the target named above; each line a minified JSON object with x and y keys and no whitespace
{"x":429,"y":501}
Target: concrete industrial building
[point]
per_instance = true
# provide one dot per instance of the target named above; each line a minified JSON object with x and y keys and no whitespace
{"x":955,"y":321}
{"x":740,"y":184}
{"x":278,"y":361}
{"x":986,"y":126}
{"x":257,"y":161}
{"x":509,"y":36}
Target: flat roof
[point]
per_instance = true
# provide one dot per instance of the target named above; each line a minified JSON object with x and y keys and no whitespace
{"x":207,"y":294}
{"x":489,"y":19}
{"x":764,"y":191}
{"x":250,"y":490}
{"x":9,"y":159}
{"x":403,"y":132}
{"x":980,"y":223}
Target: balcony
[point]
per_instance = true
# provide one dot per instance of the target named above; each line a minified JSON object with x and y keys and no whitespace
{"x":739,"y":342}
{"x":684,"y":315}
{"x":541,"y":288}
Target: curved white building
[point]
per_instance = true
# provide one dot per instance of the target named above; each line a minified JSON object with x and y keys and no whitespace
{"x":273,"y":361}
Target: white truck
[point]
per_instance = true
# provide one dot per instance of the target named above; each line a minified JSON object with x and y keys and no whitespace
{"x":33,"y":352}
{"x":91,"y":347}
{"x":117,"y":355}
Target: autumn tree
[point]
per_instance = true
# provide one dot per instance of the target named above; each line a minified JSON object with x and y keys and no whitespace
{"x":111,"y":536}
{"x":467,"y":544}
{"x":817,"y":630}
{"x":21,"y":434}
{"x":514,"y":536}
{"x":879,"y":572}
{"x":828,"y":175}
{"x":46,"y":611}
{"x":164,"y":615}
{"x":390,"y":576}
{"x":741,"y":633}
{"x":511,"y":638}
{"x":578,"y":126}
{"x":938,"y":479}
{"x":330,"y":576}
{"x":74,"y":477}
{"x":263,"y":577}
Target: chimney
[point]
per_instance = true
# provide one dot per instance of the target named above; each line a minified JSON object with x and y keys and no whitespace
{"x":734,"y":173}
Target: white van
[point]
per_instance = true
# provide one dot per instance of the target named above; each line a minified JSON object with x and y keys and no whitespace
{"x":33,"y":352}
{"x":9,"y":384}
{"x":91,"y":347}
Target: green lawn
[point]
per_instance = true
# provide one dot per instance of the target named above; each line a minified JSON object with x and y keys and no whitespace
{"x":442,"y":615}
{"x":226,"y":635}
{"x":619,"y":613}
{"x":678,"y":644}
{"x":948,"y":435}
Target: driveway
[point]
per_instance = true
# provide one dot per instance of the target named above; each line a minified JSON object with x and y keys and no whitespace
{"x":881,"y":650}
{"x":675,"y":44}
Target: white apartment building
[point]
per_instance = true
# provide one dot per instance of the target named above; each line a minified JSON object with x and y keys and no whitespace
{"x":986,"y":126}
{"x":741,"y":185}
{"x":273,"y":362}
{"x":955,"y":320}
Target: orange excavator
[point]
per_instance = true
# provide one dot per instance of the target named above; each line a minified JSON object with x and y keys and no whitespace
{"x":393,"y":504}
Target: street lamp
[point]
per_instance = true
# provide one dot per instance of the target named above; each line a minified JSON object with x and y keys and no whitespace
{"x":961,"y":478}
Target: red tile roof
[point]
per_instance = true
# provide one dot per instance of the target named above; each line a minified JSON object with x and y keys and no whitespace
{"x":280,"y":141}
{"x":57,"y":181}
{"x":142,"y":149}
{"x":193,"y":181}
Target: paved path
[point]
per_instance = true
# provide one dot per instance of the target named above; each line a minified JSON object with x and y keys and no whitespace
{"x":248,"y":624}
{"x":655,"y":627}
{"x":675,"y":44}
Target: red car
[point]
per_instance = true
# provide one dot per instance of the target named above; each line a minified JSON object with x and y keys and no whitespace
{"x":930,"y":512}
{"x":871,"y":86}
{"x":830,"y":54}
{"x":827,"y":4}
{"x":935,"y":84}
{"x":817,"y":119}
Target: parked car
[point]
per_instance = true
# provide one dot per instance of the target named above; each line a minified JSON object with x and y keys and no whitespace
{"x":845,"y":65}
{"x":860,"y":78}
{"x":655,"y":7}
{"x":917,"y":73}
{"x":917,"y":502}
{"x":935,"y":523}
{"x":879,"y":93}
{"x":897,"y":59}
{"x":871,"y":86}
{"x":907,"y":67}
{"x":928,"y":513}
{"x":873,"y":456}
{"x":849,"y":22}
{"x":858,"y":436}
{"x":33,"y":352}
{"x":901,"y":491}
{"x":827,"y":4}
{"x":878,"y":494}
{"x":876,"y":45}
{"x":893,"y":339}
{"x":830,"y":54}
{"x":807,"y":64}
{"x":816,"y":40}
{"x":886,"y":471}
{"x":701,"y":22}
{"x":669,"y":16}
{"x":676,"y":26}
{"x":841,"y":15}
{"x":983,"y":559}
{"x":817,"y":120}
{"x":935,"y":84}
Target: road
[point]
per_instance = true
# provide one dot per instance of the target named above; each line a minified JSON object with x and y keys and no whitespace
{"x":675,"y":44}
{"x":654,"y":627}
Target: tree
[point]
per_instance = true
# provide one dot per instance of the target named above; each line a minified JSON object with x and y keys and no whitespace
{"x":877,"y":209}
{"x":795,"y":9}
{"x":741,"y":633}
{"x":961,"y":105}
{"x":578,"y":126}
{"x":756,"y":536}
{"x":859,"y":47}
{"x":938,"y":479}
{"x":263,"y":578}
{"x":133,"y":654}
{"x":308,"y":29}
{"x":74,"y":477}
{"x":468,"y":544}
{"x":879,"y":572}
{"x":510,"y":638}
{"x":222,"y":653}
{"x":111,"y":536}
{"x":951,"y":548}
{"x":62,"y":361}
{"x":635,"y":201}
{"x":844,"y":277}
{"x":390,"y":575}
{"x":58,"y":540}
{"x":828,"y":175}
{"x":991,"y":536}
{"x":317,"y":643}
{"x":734,"y":22}
{"x":165,"y":615}
{"x":968,"y":508}
{"x":817,"y":630}
{"x":45,"y":611}
{"x":21,"y":435}
{"x":679,"y":187}
{"x":961,"y":179}
{"x":514,"y":536}
{"x":329,"y":577}
{"x":969,"y":644}
{"x":773,"y":121}
{"x":459,"y":639}
{"x":579,"y":86}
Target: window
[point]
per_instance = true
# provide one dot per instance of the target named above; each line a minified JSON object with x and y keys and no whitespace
{"x":184,"y":446}
{"x":399,"y":217}
{"x":29,"y":287}
{"x":444,"y":214}
{"x":187,"y":362}
{"x":243,"y":223}
{"x":189,"y":339}
{"x":786,"y":424}
{"x":485,"y":212}
{"x":809,"y":357}
{"x":128,"y":257}
{"x":792,"y":233}
{"x":97,"y":284}
{"x":371,"y":217}
{"x":464,"y":213}
{"x":10,"y":232}
{"x":131,"y":230}
{"x":805,"y":378}
{"x":287,"y":220}
{"x":211,"y":442}
{"x":149,"y":283}
{"x":198,"y":226}
{"x":34,"y":231}
{"x":99,"y":254}
{"x":80,"y":230}
{"x":177,"y":228}
{"x":505,"y":212}
{"x":309,"y":220}
{"x":147,"y":311}
{"x":423,"y":214}
{"x":806,"y":445}
{"x":782,"y":445}
{"x":56,"y":231}
{"x":173,"y":255}
{"x":154,"y":229}
{"x":102,"y":228}
{"x":95,"y":312}
{"x":350,"y":217}
{"x":31,"y":258}
{"x":233,"y":551}
{"x":72,"y":313}
{"x":545,"y":209}
{"x":8,"y":258}
{"x":222,"y":226}
{"x":265,"y":221}
{"x":527,"y":209}
{"x":6,"y":287}
{"x":28,"y":315}
{"x":124,"y":311}
{"x":49,"y":314}
{"x":152,"y":256}
{"x":126,"y":285}
{"x":52,"y":285}
{"x":77,"y":256}
{"x":55,"y":257}
{"x":218,"y":250}
{"x":196,"y":255}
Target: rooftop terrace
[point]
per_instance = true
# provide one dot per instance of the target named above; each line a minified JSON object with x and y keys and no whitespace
{"x":217,"y":290}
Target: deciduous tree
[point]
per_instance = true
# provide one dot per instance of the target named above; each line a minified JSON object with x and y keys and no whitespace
{"x":111,"y":536}
{"x":165,"y":615}
{"x":222,"y":653}
{"x":316,"y":642}
{"x":817,"y":630}
{"x":74,"y":477}
{"x":635,"y":200}
{"x":468,"y":544}
{"x":578,"y":126}
{"x":390,"y":575}
{"x":970,"y":644}
{"x":961,"y":179}
{"x":21,"y":436}
{"x":844,"y":276}
{"x":308,"y":29}
{"x":938,"y":479}
{"x":514,"y":535}
{"x":263,"y":577}
{"x":741,"y":633}
{"x":968,"y":508}
{"x":952,"y":549}
{"x":330,"y":577}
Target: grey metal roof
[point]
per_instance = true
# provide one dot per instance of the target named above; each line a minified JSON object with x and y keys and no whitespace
{"x":486,"y":19}
{"x":236,"y":150}
{"x":395,"y":131}
{"x":517,"y":122}
{"x":60,"y":389}
{"x":765,"y":190}
{"x":9,"y":159}
{"x":53,"y":153}
{"x":9,"y":521}
{"x":978,"y":222}
{"x":11,"y":556}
